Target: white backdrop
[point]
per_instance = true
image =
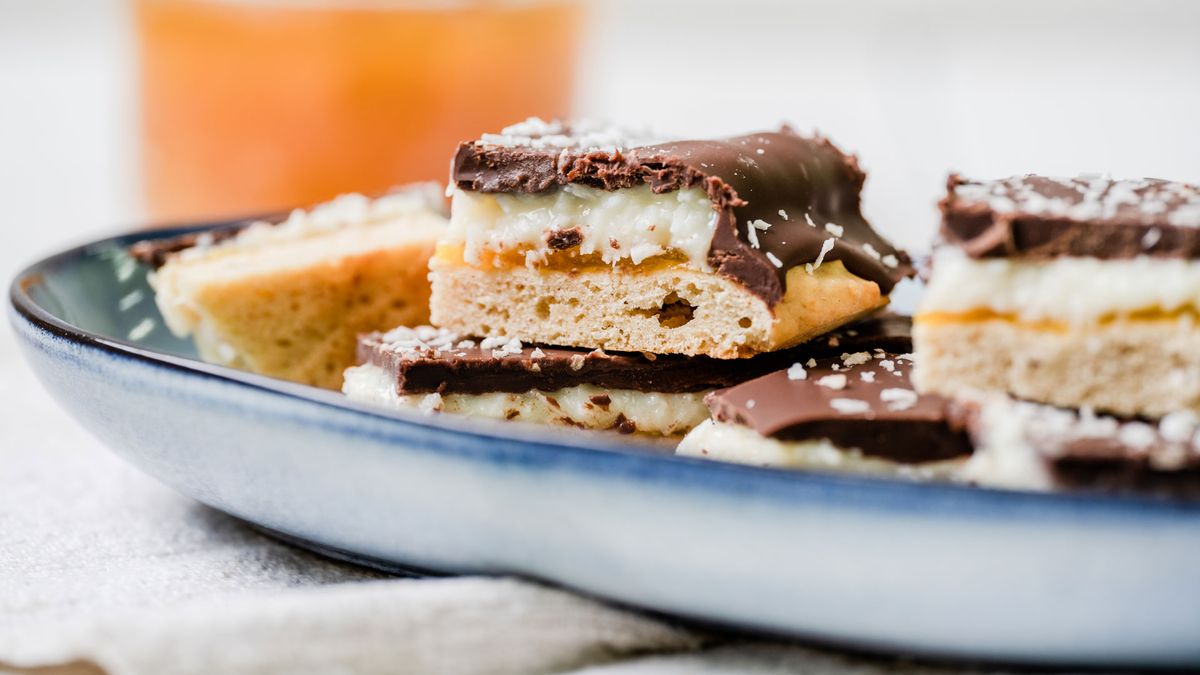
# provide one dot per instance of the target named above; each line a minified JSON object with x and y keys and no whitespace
{"x":916,"y":88}
{"x":919,"y":87}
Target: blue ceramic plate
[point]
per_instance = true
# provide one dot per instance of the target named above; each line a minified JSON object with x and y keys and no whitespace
{"x":929,"y":569}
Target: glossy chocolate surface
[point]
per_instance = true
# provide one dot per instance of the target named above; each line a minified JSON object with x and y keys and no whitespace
{"x":802,"y":191}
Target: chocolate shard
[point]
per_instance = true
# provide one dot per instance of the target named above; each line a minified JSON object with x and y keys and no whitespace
{"x":426,"y":360}
{"x":563,"y":239}
{"x":804,"y":188}
{"x":884,"y":330}
{"x":1038,"y":217}
{"x":156,"y":252}
{"x":862,"y":400}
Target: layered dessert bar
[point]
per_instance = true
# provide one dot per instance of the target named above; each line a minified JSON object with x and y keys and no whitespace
{"x":866,"y":418}
{"x":439,"y":370}
{"x":855,"y":412}
{"x":288,"y":299}
{"x":1039,"y":447}
{"x":581,"y":237}
{"x":1080,"y":292}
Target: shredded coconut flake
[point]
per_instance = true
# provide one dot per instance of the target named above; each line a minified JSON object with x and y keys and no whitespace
{"x":849,"y":406}
{"x":643,"y":251}
{"x":774,"y":261}
{"x":797,"y":372}
{"x":142,"y":329}
{"x":430,"y":403}
{"x":898,"y":399}
{"x":1151,"y":237}
{"x":1178,"y":427}
{"x":226,"y":352}
{"x":492,"y":342}
{"x":1089,"y":197}
{"x":835,"y":230}
{"x":836,"y":382}
{"x":130,"y":299}
{"x":425,"y":340}
{"x":856,"y":359}
{"x":541,"y":134}
{"x":510,"y":348}
{"x":752,"y":229}
{"x":1137,"y":435}
{"x":826,"y":247}
{"x":513,"y":346}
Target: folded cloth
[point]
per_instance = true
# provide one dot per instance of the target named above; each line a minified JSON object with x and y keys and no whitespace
{"x":454,"y":625}
{"x":101,"y":565}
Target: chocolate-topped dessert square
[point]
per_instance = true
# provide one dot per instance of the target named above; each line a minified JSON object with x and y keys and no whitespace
{"x":856,"y":412}
{"x":1039,"y":447}
{"x":1066,"y":291}
{"x":584,"y":237}
{"x":438,"y":370}
{"x":287,"y":297}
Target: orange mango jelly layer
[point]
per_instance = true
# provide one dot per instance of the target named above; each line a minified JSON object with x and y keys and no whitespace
{"x":452,"y":254}
{"x":982,"y":315}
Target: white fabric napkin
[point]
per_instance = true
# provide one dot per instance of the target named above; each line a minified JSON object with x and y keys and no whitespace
{"x":102,"y":570}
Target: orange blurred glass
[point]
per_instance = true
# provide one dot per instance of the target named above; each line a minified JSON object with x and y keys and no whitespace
{"x":257,"y":105}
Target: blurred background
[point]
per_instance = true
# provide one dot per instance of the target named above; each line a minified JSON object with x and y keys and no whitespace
{"x":116,"y":113}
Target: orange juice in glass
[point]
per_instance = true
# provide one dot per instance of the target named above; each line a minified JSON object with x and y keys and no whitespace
{"x":257,"y":105}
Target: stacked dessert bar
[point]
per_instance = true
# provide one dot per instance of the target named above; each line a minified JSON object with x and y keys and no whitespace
{"x":595,"y":280}
{"x":1079,"y":297}
{"x":1056,"y":347}
{"x":288,"y":297}
{"x":852,"y":410}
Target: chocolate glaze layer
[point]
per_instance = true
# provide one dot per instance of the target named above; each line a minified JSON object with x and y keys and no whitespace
{"x":1038,"y":217}
{"x":1123,"y":476}
{"x":881,"y":415}
{"x":425,"y":360}
{"x":795,"y":183}
{"x":884,"y":330}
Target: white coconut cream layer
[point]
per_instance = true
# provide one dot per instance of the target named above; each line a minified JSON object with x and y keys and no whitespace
{"x":1073,"y":290}
{"x":630,"y":224}
{"x":583,"y":405}
{"x":727,"y":442}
